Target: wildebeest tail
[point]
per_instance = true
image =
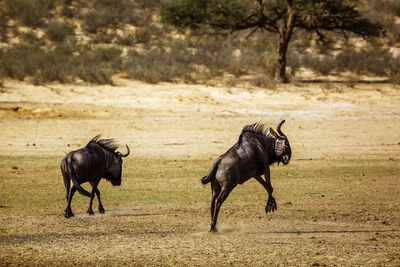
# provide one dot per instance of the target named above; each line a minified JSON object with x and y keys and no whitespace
{"x":206,"y":179}
{"x":75,"y":182}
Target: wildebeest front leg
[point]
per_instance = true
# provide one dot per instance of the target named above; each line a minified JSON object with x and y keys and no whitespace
{"x":271,"y":203}
{"x":68,"y":211}
{"x":101,"y":209}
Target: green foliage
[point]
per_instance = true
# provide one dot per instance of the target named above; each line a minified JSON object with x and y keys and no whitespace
{"x":333,"y":15}
{"x":278,"y":17}
{"x":216,"y":13}
{"x":311,"y":15}
{"x":386,"y":13}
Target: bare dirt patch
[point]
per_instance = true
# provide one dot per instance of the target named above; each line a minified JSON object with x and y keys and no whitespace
{"x":338,"y":199}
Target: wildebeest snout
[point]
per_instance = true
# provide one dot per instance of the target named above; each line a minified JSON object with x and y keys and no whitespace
{"x":285,"y":159}
{"x":116,"y":183}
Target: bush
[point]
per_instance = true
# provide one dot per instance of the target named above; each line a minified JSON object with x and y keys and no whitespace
{"x":127,"y":39}
{"x":194,"y":61}
{"x":263,"y":81}
{"x":372,"y":60}
{"x":108,"y":13}
{"x":20,"y":61}
{"x":67,"y":11}
{"x":394,"y":70}
{"x":110,"y":55}
{"x":385,"y":12}
{"x":30,"y":37}
{"x":63,"y":63}
{"x":97,"y":65}
{"x":58,"y":31}
{"x":31,"y":13}
{"x":157,"y":65}
{"x":142,"y":35}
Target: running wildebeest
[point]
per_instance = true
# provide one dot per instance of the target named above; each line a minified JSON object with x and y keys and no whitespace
{"x":256,"y":149}
{"x":95,"y":161}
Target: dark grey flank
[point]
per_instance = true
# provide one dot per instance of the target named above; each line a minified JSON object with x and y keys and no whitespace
{"x":250,"y":157}
{"x":97,"y":160}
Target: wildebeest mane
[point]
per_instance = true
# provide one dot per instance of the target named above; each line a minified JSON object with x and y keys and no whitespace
{"x":108,"y":144}
{"x":256,"y":128}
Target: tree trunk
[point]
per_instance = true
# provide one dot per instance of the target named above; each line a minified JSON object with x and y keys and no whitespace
{"x":280,"y":68}
{"x":284,"y":36}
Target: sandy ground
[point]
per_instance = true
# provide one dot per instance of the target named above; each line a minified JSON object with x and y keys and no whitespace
{"x":327,"y":125}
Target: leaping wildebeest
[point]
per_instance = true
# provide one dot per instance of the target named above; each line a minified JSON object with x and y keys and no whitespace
{"x":256,"y":149}
{"x":97,"y":160}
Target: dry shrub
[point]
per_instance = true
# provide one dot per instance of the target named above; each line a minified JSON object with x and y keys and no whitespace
{"x":158,"y":65}
{"x":97,"y":65}
{"x":263,"y":81}
{"x":31,"y":37}
{"x":31,"y":13}
{"x":394,"y":70}
{"x":385,"y":12}
{"x":58,"y":31}
{"x":197,"y":60}
{"x":142,"y":35}
{"x":371,"y":60}
{"x":103,"y":13}
{"x":19,"y":61}
{"x":63,"y":63}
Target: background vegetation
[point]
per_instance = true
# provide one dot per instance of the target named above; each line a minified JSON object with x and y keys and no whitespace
{"x":70,"y":40}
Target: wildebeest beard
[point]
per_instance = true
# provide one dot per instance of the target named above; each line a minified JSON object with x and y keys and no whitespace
{"x":271,"y":143}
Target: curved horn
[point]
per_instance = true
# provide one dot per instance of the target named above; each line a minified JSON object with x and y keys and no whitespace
{"x":127,"y":153}
{"x":278,"y":128}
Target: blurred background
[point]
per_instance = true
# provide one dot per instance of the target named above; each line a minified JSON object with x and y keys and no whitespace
{"x":71,"y":40}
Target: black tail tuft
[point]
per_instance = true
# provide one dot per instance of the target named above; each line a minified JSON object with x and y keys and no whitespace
{"x":213,"y":171}
{"x":205,"y":180}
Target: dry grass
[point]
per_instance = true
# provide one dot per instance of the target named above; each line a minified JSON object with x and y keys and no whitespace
{"x":338,"y":199}
{"x":328,"y":214}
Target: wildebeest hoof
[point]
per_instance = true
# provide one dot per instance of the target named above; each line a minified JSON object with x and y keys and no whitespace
{"x":212,"y":229}
{"x":101,"y":210}
{"x":68,"y":214}
{"x":271,"y":205}
{"x":90,"y":212}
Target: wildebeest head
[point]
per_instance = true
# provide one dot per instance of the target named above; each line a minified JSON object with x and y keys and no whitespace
{"x":283,"y":152}
{"x":115,"y":170}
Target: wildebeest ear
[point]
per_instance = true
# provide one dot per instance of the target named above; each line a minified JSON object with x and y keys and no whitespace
{"x":273,"y":133}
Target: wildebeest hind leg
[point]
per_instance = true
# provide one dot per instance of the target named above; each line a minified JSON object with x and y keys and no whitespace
{"x":67,"y":184}
{"x":218,"y":203}
{"x":66,"y":178}
{"x":215,"y":191}
{"x":94,"y":188}
{"x":68,"y":211}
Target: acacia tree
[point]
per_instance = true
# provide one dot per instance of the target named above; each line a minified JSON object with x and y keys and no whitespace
{"x":280,"y":17}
